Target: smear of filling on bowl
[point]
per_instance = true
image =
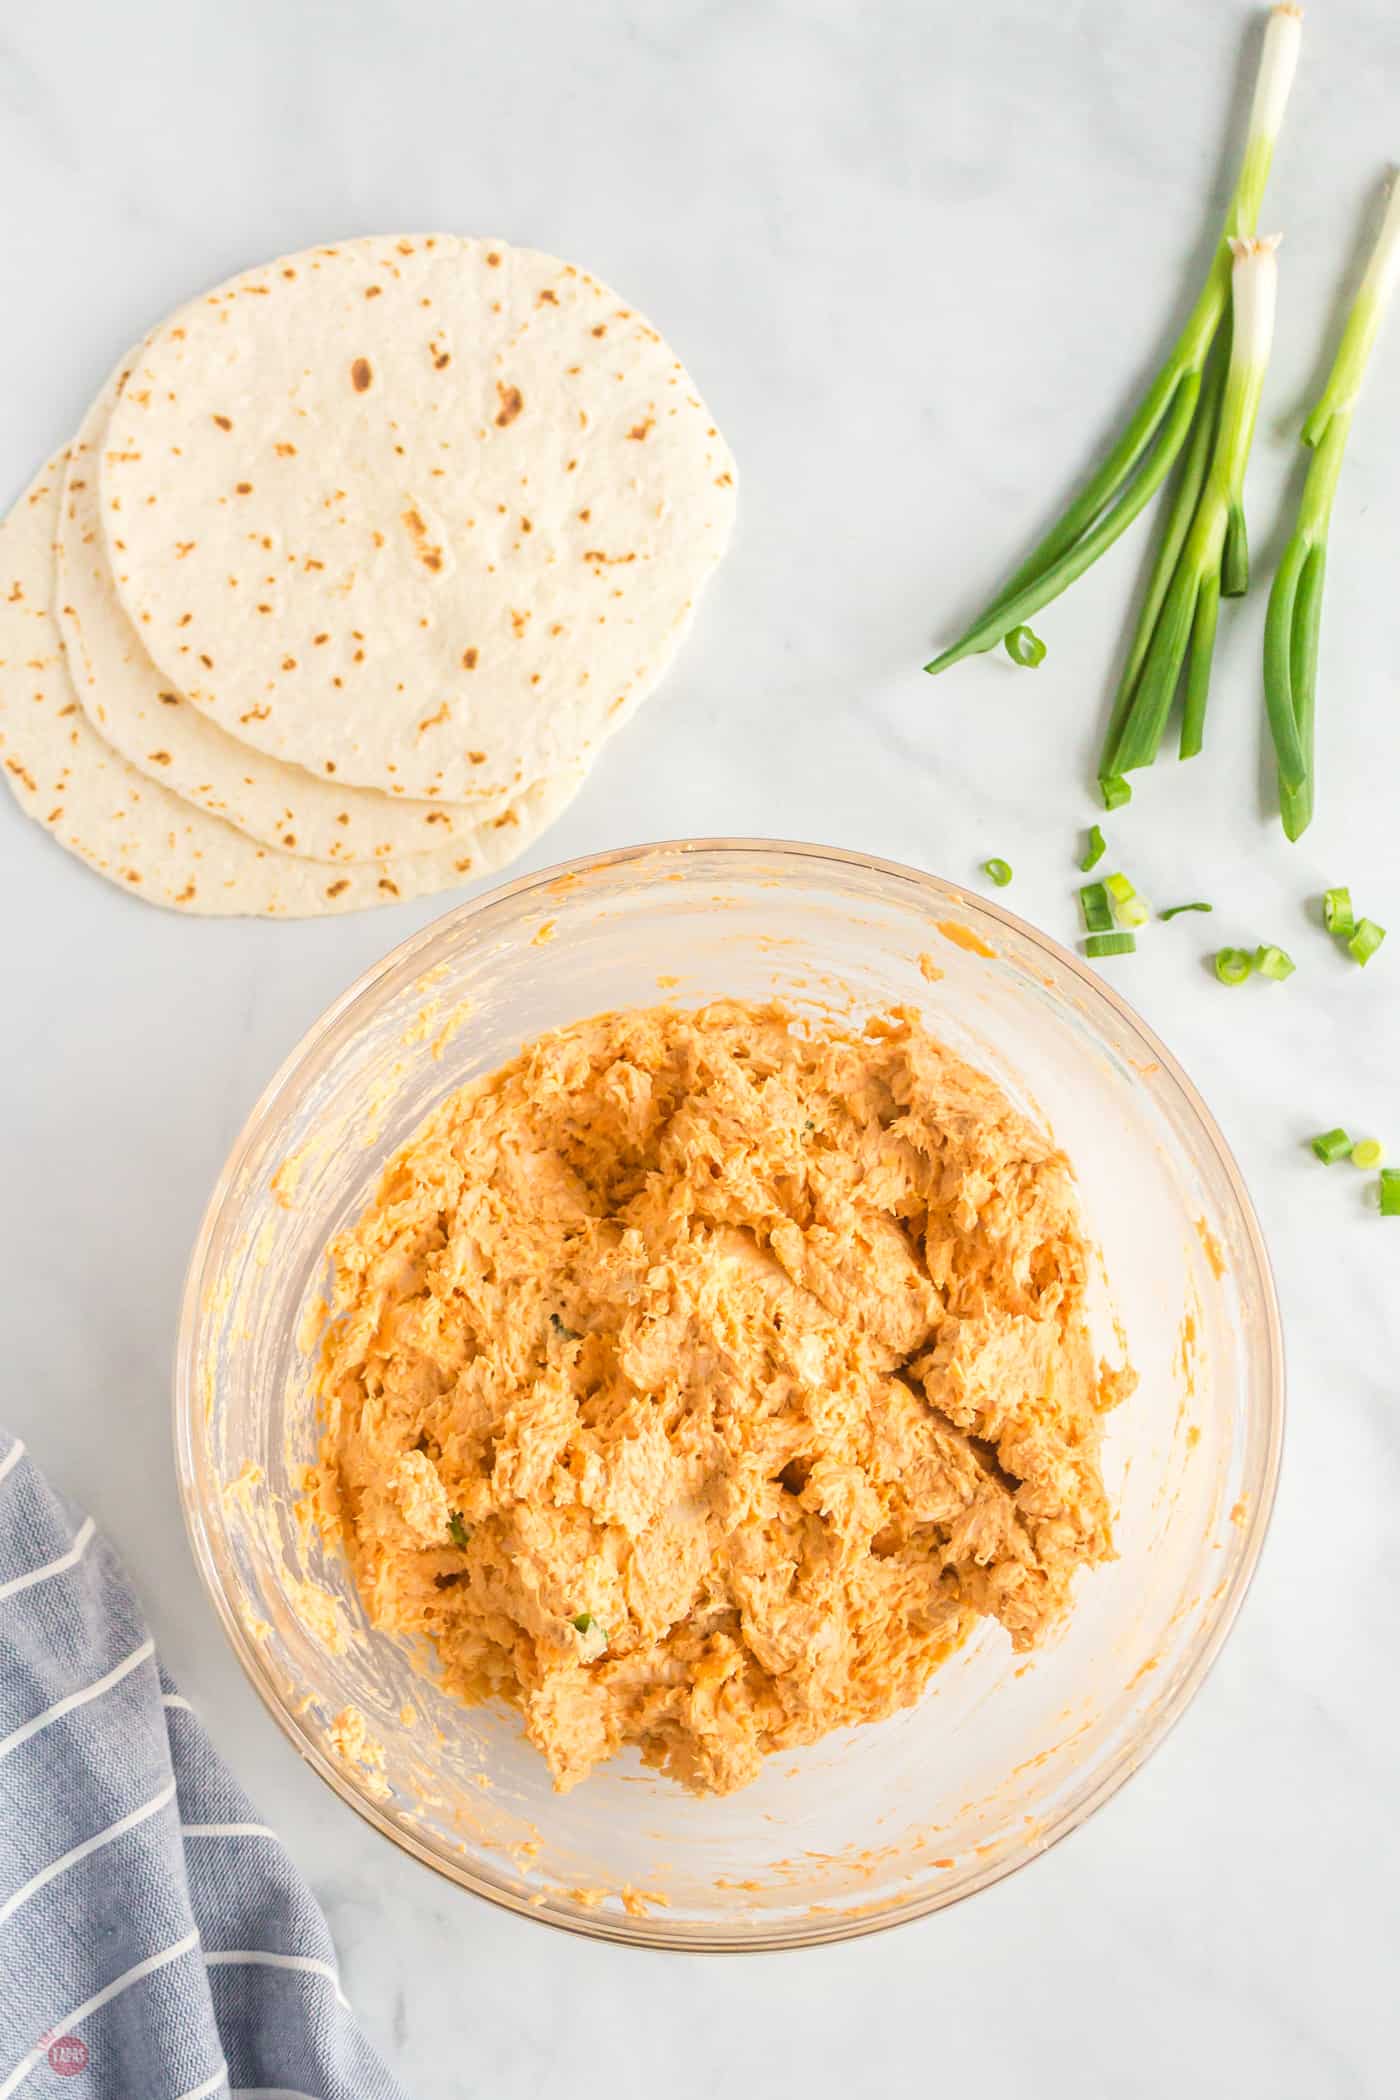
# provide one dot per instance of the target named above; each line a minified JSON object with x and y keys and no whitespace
{"x":699,"y":1380}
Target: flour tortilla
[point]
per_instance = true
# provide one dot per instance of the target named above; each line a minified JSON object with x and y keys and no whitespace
{"x":152,"y":725}
{"x":137,"y":833}
{"x":433,"y":511}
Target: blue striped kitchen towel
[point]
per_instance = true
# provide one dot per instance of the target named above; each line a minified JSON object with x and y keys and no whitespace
{"x":156,"y":1941}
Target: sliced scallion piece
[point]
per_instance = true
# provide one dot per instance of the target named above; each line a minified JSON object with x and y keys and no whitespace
{"x":1294,"y":620}
{"x":1109,"y":944}
{"x":1365,"y":940}
{"x":1128,"y":907}
{"x":1233,"y":965}
{"x":1390,"y":1192}
{"x":1337,"y":913}
{"x":1115,"y":791}
{"x":1174,"y":911}
{"x":1332,"y":1145}
{"x":1144,"y":454}
{"x":458,"y":1530}
{"x":1273,"y":962}
{"x":1367,"y":1152}
{"x":997,"y":871}
{"x":1024,"y":646}
{"x":1096,"y":910}
{"x":1094,"y":849}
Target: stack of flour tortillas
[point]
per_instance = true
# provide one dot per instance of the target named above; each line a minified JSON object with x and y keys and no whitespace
{"x":350,"y":571}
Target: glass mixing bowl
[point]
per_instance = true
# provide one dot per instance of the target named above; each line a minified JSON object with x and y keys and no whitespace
{"x":1005,"y":1752}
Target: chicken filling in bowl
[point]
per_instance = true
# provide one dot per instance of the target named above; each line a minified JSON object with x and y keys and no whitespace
{"x":698,"y":1380}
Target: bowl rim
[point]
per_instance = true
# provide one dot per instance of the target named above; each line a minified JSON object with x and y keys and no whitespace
{"x":651,"y":1932}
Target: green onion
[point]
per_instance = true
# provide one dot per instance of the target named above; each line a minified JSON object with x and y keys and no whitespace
{"x":1390,"y":1192}
{"x":1097,"y":911}
{"x":458,"y":1530}
{"x":1337,"y":913}
{"x":1109,"y":944}
{"x":1273,"y":962}
{"x":1145,"y":452}
{"x":1294,"y":620}
{"x":1174,"y":911}
{"x":1115,"y":792}
{"x":1175,"y":635}
{"x":998,"y":871}
{"x":1367,"y":1152}
{"x":584,"y":1622}
{"x":1366,"y":939}
{"x":1332,"y":1146}
{"x":1024,"y":646}
{"x":1095,"y":848}
{"x":1233,"y":965}
{"x":1128,"y":907}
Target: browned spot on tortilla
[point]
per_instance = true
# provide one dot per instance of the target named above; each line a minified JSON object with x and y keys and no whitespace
{"x":963,"y":937}
{"x":284,"y":451}
{"x":442,"y":714}
{"x":208,"y":662}
{"x":429,"y":554}
{"x":318,"y":639}
{"x":243,"y":488}
{"x":494,"y":260}
{"x":469,"y":659}
{"x":519,"y":621}
{"x":508,"y":818}
{"x":289,"y":663}
{"x":724,"y":481}
{"x":185,"y":895}
{"x":585,"y":515}
{"x":256,"y":714}
{"x":601,"y":329}
{"x":511,"y":400}
{"x":547,"y":298}
{"x":597,"y":554}
{"x":361,"y":375}
{"x":477,"y":758}
{"x":159,"y":758}
{"x":335,"y":889}
{"x":184,"y":547}
{"x":391,"y":887}
{"x":372,"y":291}
{"x":168,"y":699}
{"x":639,"y":430}
{"x":224,"y":422}
{"x":526,"y":526}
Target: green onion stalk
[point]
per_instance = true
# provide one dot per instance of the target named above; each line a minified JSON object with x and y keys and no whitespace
{"x":1176,"y":628}
{"x":1294,"y":621}
{"x":1145,"y":452}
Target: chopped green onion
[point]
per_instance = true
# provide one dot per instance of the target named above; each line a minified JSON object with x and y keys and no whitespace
{"x":1233,"y":965}
{"x":998,"y":871}
{"x":1294,"y":621}
{"x":1366,"y":939}
{"x":1157,"y":430}
{"x":1179,"y":616}
{"x":458,"y":1530}
{"x":1367,"y":1152}
{"x":583,"y":1622}
{"x":1024,"y":646}
{"x":1115,"y":791}
{"x":1332,"y":1146}
{"x":1337,"y":913}
{"x":1390,"y":1192}
{"x":1109,"y":944}
{"x":1094,"y":850}
{"x":1128,"y":907}
{"x":1273,"y":962}
{"x":1096,"y":909}
{"x":1174,"y":911}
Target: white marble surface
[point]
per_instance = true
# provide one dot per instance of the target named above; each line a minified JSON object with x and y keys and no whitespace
{"x":915,"y":255}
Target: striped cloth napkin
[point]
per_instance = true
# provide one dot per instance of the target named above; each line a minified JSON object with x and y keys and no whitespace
{"x":156,"y":1942}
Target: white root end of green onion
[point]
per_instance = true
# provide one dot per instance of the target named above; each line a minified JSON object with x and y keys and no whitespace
{"x":1278,"y":63}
